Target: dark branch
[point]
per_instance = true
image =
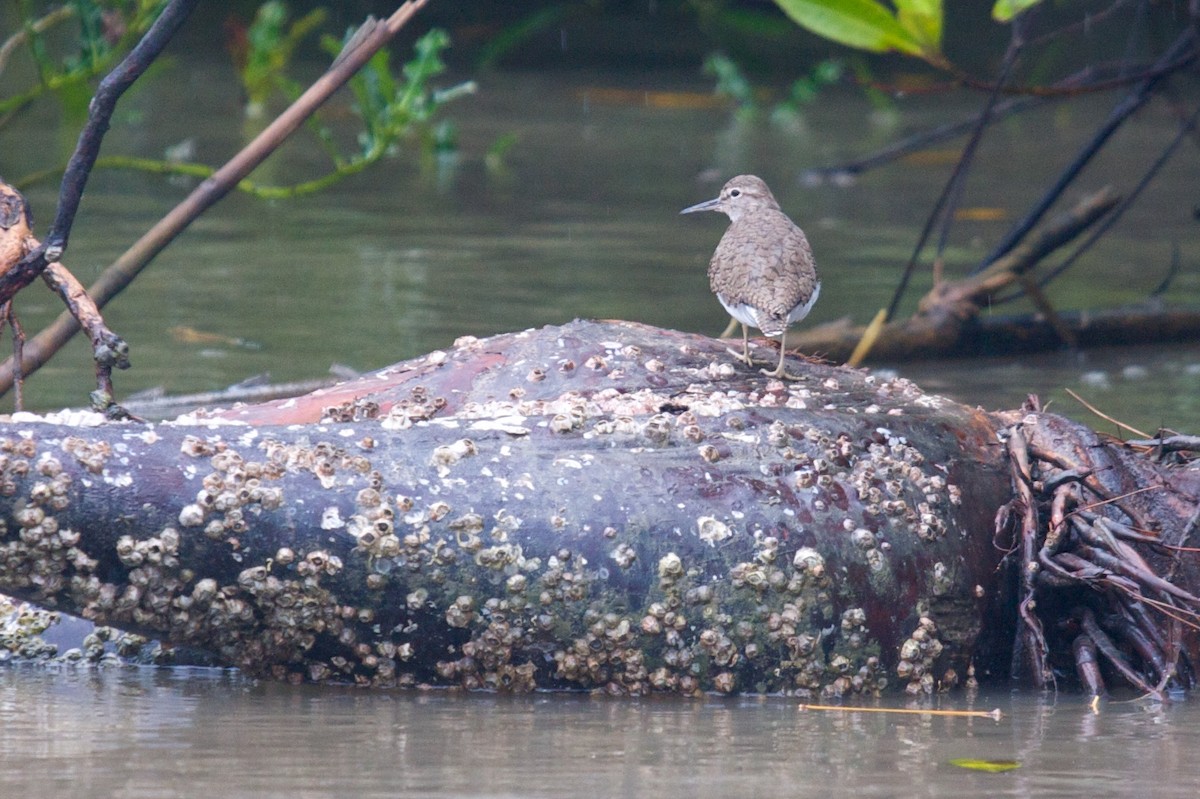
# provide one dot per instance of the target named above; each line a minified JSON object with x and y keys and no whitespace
{"x":1181,"y":53}
{"x":87,"y":149}
{"x":953,"y":186}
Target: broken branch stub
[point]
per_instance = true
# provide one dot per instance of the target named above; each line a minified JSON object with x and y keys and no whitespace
{"x":16,"y":242}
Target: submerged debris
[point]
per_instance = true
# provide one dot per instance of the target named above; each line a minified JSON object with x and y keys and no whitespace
{"x":1105,"y":542}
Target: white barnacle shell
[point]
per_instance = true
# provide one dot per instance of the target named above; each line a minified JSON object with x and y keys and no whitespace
{"x":712,"y":530}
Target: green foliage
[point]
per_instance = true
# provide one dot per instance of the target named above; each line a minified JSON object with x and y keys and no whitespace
{"x":913,"y":28}
{"x":1005,"y":10}
{"x":66,"y":66}
{"x":271,"y":43}
{"x":732,"y":84}
{"x":866,"y":24}
{"x":923,"y":19}
{"x":805,"y":90}
{"x":494,"y":160}
{"x":390,"y":110}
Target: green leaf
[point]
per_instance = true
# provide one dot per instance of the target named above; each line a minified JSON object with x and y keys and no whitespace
{"x":731,"y":82}
{"x":923,"y":19}
{"x":1005,"y":10}
{"x":864,"y":24}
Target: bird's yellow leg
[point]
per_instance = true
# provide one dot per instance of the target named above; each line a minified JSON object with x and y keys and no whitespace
{"x":744,"y":355}
{"x":779,"y":372}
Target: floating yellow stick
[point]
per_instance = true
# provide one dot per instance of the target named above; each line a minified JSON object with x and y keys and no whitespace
{"x":990,"y":766}
{"x":995,"y":715}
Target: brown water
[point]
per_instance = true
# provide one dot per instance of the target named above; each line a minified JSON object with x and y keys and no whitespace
{"x":583,"y":222}
{"x":158,"y":734}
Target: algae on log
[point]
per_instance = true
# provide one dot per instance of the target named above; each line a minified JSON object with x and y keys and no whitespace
{"x":599,"y":505}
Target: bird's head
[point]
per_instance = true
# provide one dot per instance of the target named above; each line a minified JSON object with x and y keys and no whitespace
{"x":740,"y":195}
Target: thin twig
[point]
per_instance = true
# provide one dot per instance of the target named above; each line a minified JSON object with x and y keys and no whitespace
{"x":1169,"y":444}
{"x":922,"y":140}
{"x":1105,"y":224}
{"x":1103,"y":415}
{"x":953,"y":188}
{"x":1181,"y":53}
{"x":40,"y":25}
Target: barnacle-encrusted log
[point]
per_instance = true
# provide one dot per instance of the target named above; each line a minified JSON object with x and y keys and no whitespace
{"x":599,"y":505}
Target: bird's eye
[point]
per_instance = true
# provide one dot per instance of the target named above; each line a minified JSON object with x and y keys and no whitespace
{"x":735,"y":193}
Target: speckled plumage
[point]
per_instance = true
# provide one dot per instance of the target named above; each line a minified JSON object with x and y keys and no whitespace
{"x":762,"y":270}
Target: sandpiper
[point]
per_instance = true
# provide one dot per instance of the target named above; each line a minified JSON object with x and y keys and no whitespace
{"x":762,"y":270}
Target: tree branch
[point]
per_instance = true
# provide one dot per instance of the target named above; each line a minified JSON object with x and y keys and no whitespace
{"x":122,"y":272}
{"x":100,"y":112}
{"x":1181,"y":53}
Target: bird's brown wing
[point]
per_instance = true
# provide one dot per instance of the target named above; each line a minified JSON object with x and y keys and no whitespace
{"x":764,"y":261}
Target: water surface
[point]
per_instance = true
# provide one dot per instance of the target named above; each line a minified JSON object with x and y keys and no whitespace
{"x":173,"y":732}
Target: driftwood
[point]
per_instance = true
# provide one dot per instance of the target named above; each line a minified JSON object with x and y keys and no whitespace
{"x":1106,"y":544}
{"x":602,"y":505}
{"x":921,"y":337}
{"x":614,"y":507}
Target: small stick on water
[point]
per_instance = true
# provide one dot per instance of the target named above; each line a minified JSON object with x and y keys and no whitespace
{"x":995,"y":715}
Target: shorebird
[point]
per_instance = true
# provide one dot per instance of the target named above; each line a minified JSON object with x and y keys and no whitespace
{"x":762,"y":270}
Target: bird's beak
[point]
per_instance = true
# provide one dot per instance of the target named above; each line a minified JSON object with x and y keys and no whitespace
{"x":707,"y":205}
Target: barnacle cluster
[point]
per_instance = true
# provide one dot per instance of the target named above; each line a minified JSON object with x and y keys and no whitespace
{"x":92,"y":455}
{"x":39,"y":555}
{"x":417,"y":407}
{"x":918,"y":656}
{"x":889,"y":475}
{"x":21,"y":626}
{"x":373,"y":526}
{"x":355,"y":410}
{"x":235,"y":490}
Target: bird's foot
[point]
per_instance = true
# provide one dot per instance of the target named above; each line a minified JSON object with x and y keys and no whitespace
{"x":780,"y":373}
{"x":745,"y":358}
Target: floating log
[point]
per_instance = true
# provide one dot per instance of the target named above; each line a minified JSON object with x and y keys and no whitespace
{"x":602,"y":505}
{"x":922,"y":337}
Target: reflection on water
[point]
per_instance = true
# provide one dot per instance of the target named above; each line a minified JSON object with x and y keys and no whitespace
{"x":583,"y":222}
{"x":161,"y":733}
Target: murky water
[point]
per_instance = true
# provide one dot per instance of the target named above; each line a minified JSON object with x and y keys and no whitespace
{"x":163,"y":733}
{"x":582,"y":221}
